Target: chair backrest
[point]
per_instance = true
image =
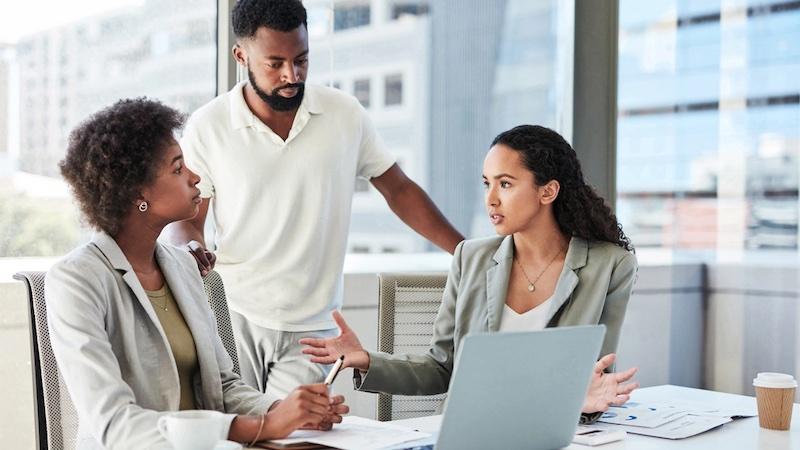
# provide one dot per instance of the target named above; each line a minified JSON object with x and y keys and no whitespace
{"x":215,"y":291}
{"x":407,"y":308}
{"x":56,"y":418}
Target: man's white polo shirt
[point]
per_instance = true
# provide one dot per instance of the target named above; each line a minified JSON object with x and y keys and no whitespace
{"x":282,"y":208}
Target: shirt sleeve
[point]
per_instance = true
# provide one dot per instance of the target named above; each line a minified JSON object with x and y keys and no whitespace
{"x":619,"y":293}
{"x":195,"y":156}
{"x":374,"y":157}
{"x":428,"y":373}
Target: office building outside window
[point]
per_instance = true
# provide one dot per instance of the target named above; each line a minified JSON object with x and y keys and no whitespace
{"x":66,"y":62}
{"x":455,"y":96}
{"x":709,"y":128}
{"x":449,"y":75}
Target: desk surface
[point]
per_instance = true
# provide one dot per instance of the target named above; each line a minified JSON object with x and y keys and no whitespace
{"x":739,"y":434}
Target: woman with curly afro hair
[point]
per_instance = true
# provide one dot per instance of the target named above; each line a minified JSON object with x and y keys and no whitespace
{"x":561,"y":259}
{"x":130,"y":325}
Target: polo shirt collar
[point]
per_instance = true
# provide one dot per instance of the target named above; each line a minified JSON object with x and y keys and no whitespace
{"x":242,"y":117}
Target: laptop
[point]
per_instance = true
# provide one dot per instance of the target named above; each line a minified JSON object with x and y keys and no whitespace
{"x":519,"y":390}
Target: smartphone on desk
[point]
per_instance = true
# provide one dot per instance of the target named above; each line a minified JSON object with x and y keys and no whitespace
{"x":597,"y":436}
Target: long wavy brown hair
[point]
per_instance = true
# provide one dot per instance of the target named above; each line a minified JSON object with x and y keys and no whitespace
{"x":578,"y":209}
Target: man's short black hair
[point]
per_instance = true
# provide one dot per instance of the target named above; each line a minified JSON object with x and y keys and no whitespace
{"x":280,"y":15}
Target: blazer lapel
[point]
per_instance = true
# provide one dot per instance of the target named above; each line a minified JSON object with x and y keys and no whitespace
{"x":575,"y":258}
{"x":497,"y":282}
{"x":192,"y":305}
{"x":108,"y":246}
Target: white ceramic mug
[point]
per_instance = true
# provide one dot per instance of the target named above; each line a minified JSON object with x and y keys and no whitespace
{"x":193,"y":429}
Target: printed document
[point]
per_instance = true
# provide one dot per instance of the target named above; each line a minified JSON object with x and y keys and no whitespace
{"x":670,"y":420}
{"x":355,"y":433}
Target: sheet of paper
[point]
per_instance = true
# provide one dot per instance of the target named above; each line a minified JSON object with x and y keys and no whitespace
{"x":427,"y":424}
{"x":637,"y":415}
{"x":652,"y":415}
{"x":706,"y":409}
{"x":684,"y":427}
{"x":356,"y":433}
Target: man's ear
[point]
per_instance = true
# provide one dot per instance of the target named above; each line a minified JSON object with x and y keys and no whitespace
{"x":239,"y":54}
{"x":550,"y":191}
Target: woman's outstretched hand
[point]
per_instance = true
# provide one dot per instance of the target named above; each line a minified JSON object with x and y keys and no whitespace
{"x":608,"y":389}
{"x":327,"y":351}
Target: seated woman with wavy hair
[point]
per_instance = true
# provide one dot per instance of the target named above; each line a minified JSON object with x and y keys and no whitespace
{"x":561,"y":259}
{"x":130,"y":326}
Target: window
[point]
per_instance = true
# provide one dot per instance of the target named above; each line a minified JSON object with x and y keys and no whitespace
{"x":406,"y":9}
{"x":71,"y":59}
{"x":346,"y":16}
{"x":472,"y":72}
{"x":361,"y":91}
{"x":393,"y":92}
{"x":708,"y":135}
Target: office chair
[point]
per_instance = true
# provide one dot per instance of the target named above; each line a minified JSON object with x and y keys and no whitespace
{"x":407,"y":307}
{"x":215,"y":291}
{"x":56,"y":418}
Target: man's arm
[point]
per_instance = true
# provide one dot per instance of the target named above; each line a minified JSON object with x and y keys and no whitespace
{"x":413,"y":206}
{"x":189,"y":234}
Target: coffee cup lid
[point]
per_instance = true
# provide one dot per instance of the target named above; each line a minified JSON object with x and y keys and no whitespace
{"x":774,"y":380}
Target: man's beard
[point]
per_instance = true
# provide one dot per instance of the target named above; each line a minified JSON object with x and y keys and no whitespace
{"x":276,"y":101}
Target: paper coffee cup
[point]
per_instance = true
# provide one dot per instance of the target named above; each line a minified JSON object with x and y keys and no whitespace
{"x":775,"y":398}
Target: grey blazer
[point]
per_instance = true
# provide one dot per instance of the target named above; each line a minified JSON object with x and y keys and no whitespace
{"x":594,"y":287}
{"x":114,"y":356}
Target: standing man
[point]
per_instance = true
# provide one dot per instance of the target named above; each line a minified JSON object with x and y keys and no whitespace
{"x":280,"y":159}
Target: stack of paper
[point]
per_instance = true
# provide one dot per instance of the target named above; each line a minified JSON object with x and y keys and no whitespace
{"x":354,"y":433}
{"x":675,"y":420}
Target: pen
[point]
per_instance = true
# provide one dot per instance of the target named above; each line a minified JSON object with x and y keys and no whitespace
{"x":337,"y":366}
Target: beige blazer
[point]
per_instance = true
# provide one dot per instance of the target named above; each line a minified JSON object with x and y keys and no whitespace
{"x":114,"y":356}
{"x":594,"y":287}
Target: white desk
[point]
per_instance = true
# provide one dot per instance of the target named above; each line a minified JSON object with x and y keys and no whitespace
{"x":739,"y":434}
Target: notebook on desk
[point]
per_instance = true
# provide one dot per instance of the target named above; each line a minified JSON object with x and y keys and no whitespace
{"x":519,"y":390}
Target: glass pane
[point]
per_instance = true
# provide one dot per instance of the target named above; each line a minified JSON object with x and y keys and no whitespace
{"x":361,"y":91}
{"x":449,"y":75}
{"x":351,"y":15}
{"x":393,"y":90}
{"x":709,"y":128}
{"x":66,"y":60}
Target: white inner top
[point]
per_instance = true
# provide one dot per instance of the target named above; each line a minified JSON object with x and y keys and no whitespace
{"x":533,"y":320}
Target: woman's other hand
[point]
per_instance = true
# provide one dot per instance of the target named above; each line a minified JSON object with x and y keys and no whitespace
{"x":608,"y":389}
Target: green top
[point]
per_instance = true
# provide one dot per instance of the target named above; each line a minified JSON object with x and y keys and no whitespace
{"x":180,"y":340}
